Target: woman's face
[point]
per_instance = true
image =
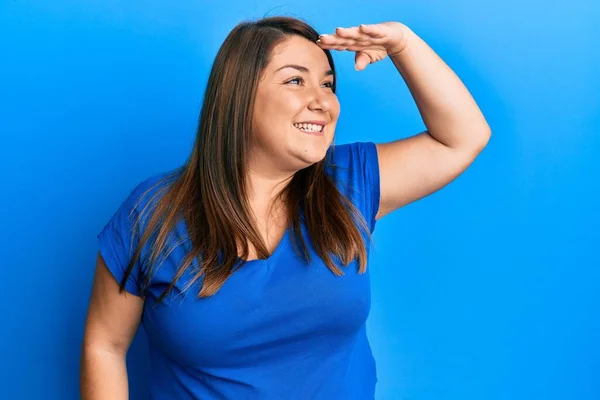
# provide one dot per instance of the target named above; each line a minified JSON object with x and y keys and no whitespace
{"x":286,"y":98}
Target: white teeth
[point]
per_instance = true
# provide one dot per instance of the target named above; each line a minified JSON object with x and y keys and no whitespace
{"x":309,"y":127}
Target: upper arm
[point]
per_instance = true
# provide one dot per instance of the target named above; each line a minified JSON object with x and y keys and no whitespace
{"x":414,"y":167}
{"x":113,"y":318}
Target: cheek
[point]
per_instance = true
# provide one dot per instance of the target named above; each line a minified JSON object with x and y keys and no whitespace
{"x":335,"y":108}
{"x":272,"y":132}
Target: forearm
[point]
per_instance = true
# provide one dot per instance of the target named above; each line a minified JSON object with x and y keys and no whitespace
{"x":448,"y":110}
{"x":103,"y":375}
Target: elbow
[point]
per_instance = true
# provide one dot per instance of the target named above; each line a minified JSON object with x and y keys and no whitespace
{"x":477,"y":143}
{"x":485,"y":138}
{"x":481,"y":138}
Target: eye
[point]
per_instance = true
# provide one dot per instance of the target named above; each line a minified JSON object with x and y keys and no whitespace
{"x":299,"y":79}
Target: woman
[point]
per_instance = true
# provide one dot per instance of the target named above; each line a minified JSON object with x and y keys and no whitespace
{"x":247,"y":265}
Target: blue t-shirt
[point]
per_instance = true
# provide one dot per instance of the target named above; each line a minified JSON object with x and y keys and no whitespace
{"x":277,"y":328}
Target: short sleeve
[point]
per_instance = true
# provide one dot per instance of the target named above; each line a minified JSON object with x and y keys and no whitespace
{"x":357,"y":171}
{"x":117,"y":242}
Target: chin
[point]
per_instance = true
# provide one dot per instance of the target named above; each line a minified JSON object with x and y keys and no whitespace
{"x":312,"y":154}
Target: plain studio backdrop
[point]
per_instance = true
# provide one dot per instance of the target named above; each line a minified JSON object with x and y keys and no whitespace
{"x":487,"y":289}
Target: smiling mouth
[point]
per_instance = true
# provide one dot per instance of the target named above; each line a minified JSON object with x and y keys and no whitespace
{"x":312,"y":131}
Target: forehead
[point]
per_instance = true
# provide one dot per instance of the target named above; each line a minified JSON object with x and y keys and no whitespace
{"x":298,"y":50}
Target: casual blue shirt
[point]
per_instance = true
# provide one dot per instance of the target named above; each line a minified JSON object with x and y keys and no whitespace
{"x":277,"y":329}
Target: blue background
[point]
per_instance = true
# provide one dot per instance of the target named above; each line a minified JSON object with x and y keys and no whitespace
{"x":487,"y":289}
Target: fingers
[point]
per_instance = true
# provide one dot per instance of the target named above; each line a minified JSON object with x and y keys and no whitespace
{"x":361,"y":60}
{"x":361,"y":32}
{"x":338,"y":43}
{"x":375,"y":31}
{"x":352,"y":35}
{"x":363,"y":39}
{"x":334,"y":40}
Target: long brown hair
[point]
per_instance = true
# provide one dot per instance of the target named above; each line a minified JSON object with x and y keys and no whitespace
{"x":209,"y":193}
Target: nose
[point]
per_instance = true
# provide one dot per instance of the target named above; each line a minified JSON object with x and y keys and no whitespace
{"x":320,"y":100}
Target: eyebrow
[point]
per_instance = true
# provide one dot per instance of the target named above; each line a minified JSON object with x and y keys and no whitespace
{"x":303,"y":69}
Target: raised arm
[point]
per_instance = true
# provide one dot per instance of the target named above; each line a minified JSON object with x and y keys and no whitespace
{"x":417,"y":166}
{"x":414,"y":167}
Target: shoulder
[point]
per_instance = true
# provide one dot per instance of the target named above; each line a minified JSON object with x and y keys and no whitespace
{"x":353,"y":160}
{"x":352,"y":154}
{"x":354,"y":168}
{"x":138,"y":204}
{"x":148,"y":190}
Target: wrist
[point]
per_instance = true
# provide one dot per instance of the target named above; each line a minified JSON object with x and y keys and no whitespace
{"x":402,"y":43}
